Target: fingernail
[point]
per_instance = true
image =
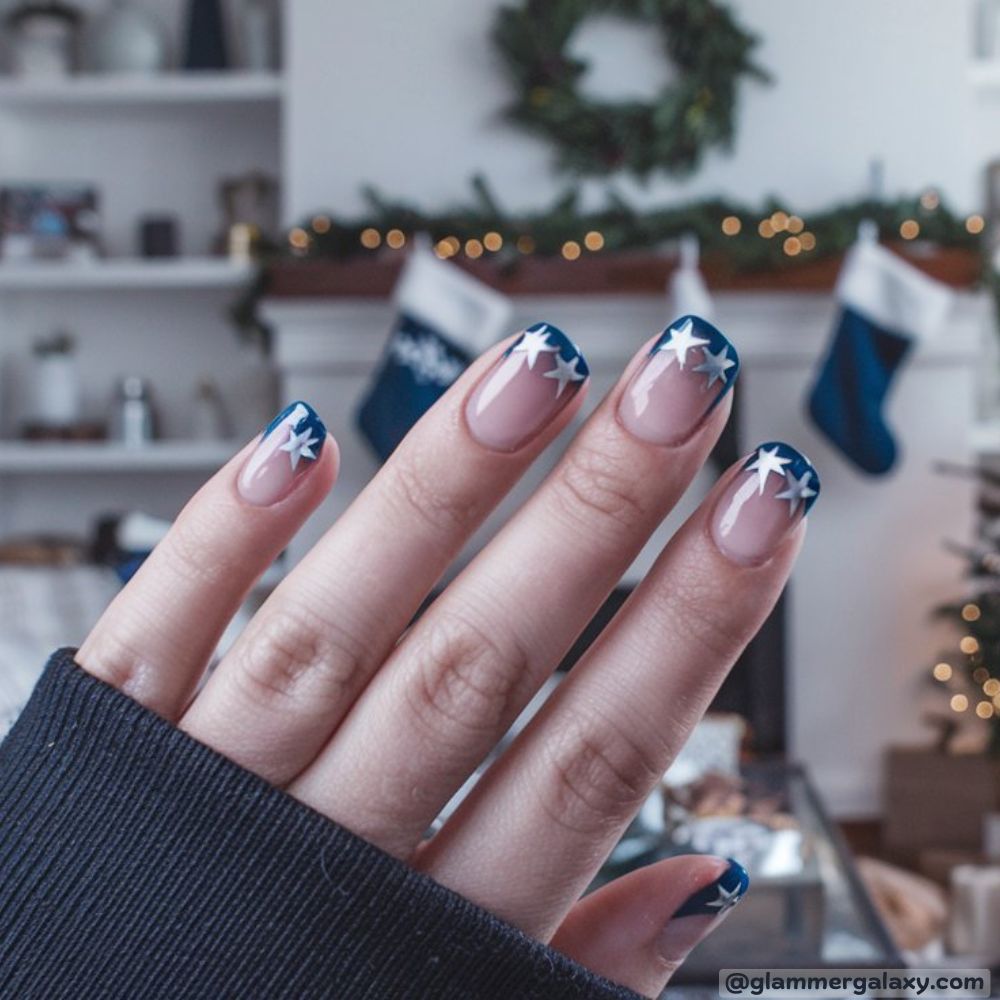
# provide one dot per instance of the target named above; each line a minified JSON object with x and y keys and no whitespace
{"x":772,"y":492}
{"x":288,"y":449}
{"x":533,"y":380}
{"x":696,"y":916}
{"x":685,"y":375}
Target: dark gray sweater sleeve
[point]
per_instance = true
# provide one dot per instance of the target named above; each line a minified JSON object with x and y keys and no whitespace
{"x":136,"y":862}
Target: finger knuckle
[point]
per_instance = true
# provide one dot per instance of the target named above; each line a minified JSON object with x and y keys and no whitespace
{"x":597,"y":484}
{"x":598,"y":773}
{"x":293,"y":655}
{"x":430,"y":498}
{"x":468,"y":677}
{"x":693,"y":604}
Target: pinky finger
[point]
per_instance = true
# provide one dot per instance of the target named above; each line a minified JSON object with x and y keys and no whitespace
{"x":637,"y":930}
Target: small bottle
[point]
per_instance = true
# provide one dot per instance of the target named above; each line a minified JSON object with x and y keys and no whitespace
{"x":133,"y":421}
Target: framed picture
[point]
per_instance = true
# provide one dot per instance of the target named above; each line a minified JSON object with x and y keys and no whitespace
{"x":49,"y":221}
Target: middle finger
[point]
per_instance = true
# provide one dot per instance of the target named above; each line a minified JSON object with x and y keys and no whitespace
{"x":454,"y":685}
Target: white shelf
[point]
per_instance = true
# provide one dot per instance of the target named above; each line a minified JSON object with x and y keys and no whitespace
{"x":44,"y":457}
{"x":125,"y":273}
{"x":124,"y":89}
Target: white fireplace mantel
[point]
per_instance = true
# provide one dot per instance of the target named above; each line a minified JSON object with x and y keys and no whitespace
{"x":860,"y":640}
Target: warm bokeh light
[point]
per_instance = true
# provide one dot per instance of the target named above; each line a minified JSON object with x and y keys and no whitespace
{"x":930,"y":200}
{"x":395,"y":238}
{"x":370,"y":238}
{"x":980,"y":675}
{"x":525,"y":244}
{"x":473,"y":249}
{"x":969,"y":645}
{"x":984,"y":709}
{"x":991,"y":687}
{"x":731,"y":225}
{"x":765,"y":229}
{"x":779,"y":221}
{"x":493,"y":241}
{"x":942,"y":672}
{"x":594,"y":241}
{"x":298,"y":238}
{"x":808,"y":241}
{"x":975,"y":224}
{"x":446,"y":248}
{"x":910,"y":229}
{"x":793,"y":246}
{"x":795,"y":225}
{"x":571,"y":250}
{"x":321,"y":224}
{"x":971,"y":612}
{"x":959,"y":703}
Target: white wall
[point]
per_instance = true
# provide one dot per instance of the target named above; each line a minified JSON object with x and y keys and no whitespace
{"x":406,"y":96}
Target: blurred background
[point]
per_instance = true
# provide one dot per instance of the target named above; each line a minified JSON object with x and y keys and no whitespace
{"x":210,"y":208}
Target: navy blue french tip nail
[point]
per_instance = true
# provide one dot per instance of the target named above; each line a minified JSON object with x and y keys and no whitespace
{"x":720,"y":896}
{"x":305,"y":418}
{"x":700,"y":347}
{"x":801,"y":486}
{"x":544,"y":338}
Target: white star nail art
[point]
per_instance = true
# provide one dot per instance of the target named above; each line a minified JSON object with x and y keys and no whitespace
{"x":799,"y":491}
{"x":715,"y":366}
{"x":533,"y":343}
{"x":299,"y":446}
{"x":726,"y":899}
{"x":681,"y":341}
{"x":766,"y":462}
{"x":565,"y":372}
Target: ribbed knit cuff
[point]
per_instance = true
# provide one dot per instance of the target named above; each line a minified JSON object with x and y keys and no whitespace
{"x":136,"y":862}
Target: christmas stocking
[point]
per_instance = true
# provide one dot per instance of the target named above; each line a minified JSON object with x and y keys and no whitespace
{"x":445,"y":317}
{"x":885,"y":305}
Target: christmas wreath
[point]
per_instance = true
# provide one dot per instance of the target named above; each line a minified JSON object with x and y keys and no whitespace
{"x":709,"y":50}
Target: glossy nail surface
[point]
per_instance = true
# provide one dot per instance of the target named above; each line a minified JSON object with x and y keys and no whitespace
{"x":683,"y":378}
{"x":288,"y":449}
{"x":533,"y":380}
{"x":700,"y":912}
{"x":772,"y":492}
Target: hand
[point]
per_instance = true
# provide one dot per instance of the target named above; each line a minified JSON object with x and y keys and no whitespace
{"x":330,"y":696}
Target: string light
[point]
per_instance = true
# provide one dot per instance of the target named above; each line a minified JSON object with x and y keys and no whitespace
{"x":969,"y":645}
{"x":395,"y":239}
{"x":447,"y":247}
{"x":975,"y":224}
{"x":570,"y":250}
{"x":594,"y":241}
{"x":370,"y":238}
{"x":525,"y":244}
{"x":766,"y":229}
{"x":473,"y":249}
{"x":991,"y":687}
{"x":321,"y":224}
{"x":942,"y":672}
{"x":971,"y":612}
{"x":959,"y":703}
{"x":298,"y":238}
{"x":808,"y":241}
{"x":493,"y":241}
{"x":795,"y":225}
{"x":930,"y":200}
{"x":793,"y":246}
{"x":731,"y":225}
{"x":910,"y":229}
{"x":984,"y":710}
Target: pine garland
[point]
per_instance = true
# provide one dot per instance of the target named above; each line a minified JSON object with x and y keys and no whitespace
{"x":731,"y":231}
